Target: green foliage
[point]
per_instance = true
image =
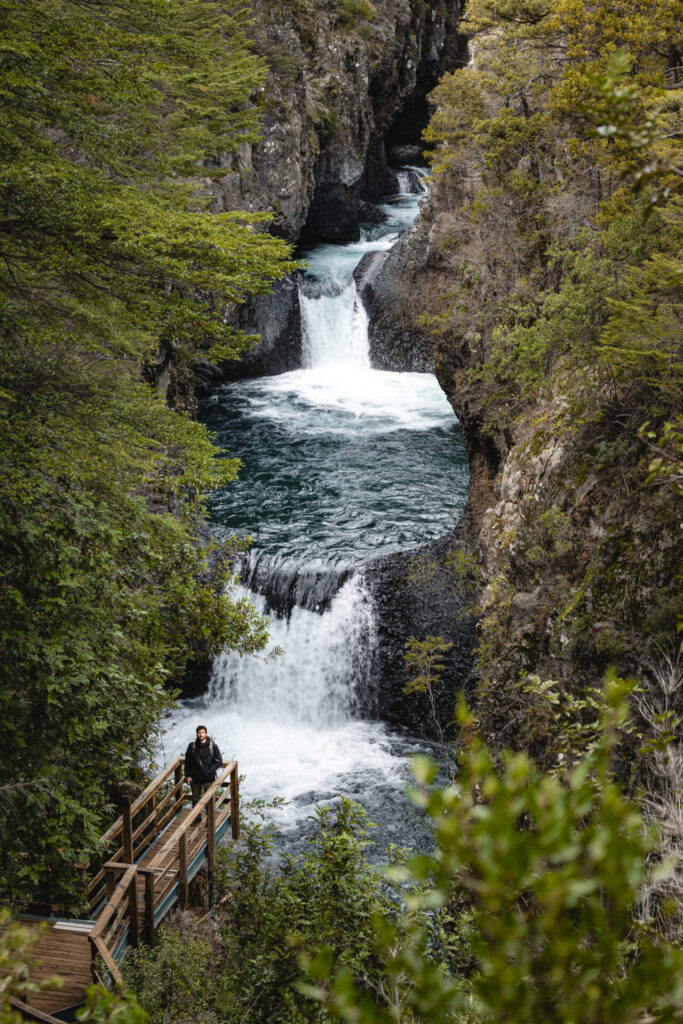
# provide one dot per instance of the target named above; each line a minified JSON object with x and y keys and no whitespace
{"x":246,"y":968}
{"x":458,"y":571}
{"x":110,"y":254}
{"x":554,"y":283}
{"x":424,"y":661}
{"x":570,"y":725}
{"x":666,"y":466}
{"x":642,"y":338}
{"x":103,"y":1007}
{"x":352,"y":12}
{"x":556,"y":176}
{"x":550,"y":875}
{"x":616,"y":107}
{"x":325,"y":121}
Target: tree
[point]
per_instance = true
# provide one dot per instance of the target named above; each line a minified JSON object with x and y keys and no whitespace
{"x":109,"y":251}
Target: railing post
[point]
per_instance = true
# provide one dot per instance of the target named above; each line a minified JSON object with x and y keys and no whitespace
{"x":211,"y":845}
{"x":127,"y":832}
{"x":177,"y":778}
{"x":149,"y":908}
{"x":134,"y":935}
{"x":109,"y":883}
{"x":234,"y":803}
{"x":93,"y":957}
{"x":211,"y":833}
{"x":183,"y":882}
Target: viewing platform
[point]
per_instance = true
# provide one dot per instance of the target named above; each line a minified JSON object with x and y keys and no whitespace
{"x":149,"y":857}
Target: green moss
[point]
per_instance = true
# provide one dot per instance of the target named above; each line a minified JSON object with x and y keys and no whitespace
{"x":352,"y":13}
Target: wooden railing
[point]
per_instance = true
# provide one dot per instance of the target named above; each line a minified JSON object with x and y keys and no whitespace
{"x":141,"y":821}
{"x":127,"y":898}
{"x":674,"y":76}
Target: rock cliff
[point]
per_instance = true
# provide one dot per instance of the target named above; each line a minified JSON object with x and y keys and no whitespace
{"x":505,"y":289}
{"x":345,"y":78}
{"x":347,"y":86}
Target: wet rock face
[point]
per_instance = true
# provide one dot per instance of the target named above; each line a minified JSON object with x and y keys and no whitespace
{"x":403,"y":609}
{"x":365,"y":276}
{"x":337,"y":87}
{"x":398,"y":156}
{"x":392,"y":296}
{"x":276,"y":318}
{"x":334,"y":214}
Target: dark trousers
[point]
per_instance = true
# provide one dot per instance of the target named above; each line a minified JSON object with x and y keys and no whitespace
{"x":197,"y":789}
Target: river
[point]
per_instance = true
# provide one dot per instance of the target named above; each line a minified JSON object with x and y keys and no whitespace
{"x":341,"y":463}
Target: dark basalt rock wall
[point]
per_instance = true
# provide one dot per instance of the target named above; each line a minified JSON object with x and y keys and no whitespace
{"x":391,"y":296}
{"x":335,"y":92}
{"x":405,"y":609}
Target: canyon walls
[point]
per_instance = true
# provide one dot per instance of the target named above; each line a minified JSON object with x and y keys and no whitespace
{"x":344,"y":105}
{"x":508,"y":285}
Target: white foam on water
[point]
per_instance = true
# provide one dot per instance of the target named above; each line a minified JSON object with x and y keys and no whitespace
{"x":288,"y":722}
{"x":333,"y":265}
{"x":347,"y":398}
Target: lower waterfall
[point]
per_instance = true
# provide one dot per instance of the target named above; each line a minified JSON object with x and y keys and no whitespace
{"x":342,"y":463}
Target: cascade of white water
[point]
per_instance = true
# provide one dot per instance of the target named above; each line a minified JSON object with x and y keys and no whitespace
{"x":404,"y":182}
{"x":335,"y":328}
{"x":293,"y":722}
{"x":290,"y":721}
{"x":325,"y":665}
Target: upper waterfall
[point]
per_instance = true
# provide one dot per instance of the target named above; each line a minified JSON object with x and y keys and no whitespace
{"x":335,"y":328}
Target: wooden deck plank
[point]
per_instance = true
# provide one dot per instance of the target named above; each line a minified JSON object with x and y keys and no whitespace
{"x":67,"y":953}
{"x":61,"y":954}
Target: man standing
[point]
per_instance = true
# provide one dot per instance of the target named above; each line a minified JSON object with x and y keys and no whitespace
{"x":202,"y":761}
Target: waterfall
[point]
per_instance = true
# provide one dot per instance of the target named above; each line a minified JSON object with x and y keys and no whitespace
{"x":335,"y":328}
{"x":341,"y":463}
{"x":404,"y":182}
{"x":324,"y":671}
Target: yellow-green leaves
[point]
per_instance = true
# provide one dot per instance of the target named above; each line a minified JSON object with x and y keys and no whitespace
{"x":540,"y":880}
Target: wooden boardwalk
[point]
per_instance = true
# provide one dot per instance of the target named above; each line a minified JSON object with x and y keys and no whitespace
{"x":149,"y":857}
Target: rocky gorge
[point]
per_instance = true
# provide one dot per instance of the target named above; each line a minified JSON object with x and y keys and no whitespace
{"x":345,"y":106}
{"x":344,"y":109}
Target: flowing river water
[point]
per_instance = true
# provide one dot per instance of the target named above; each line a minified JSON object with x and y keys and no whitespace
{"x":341,"y":463}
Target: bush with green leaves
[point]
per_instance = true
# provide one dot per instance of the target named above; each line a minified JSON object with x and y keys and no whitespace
{"x":544,"y":876}
{"x":244,"y":967}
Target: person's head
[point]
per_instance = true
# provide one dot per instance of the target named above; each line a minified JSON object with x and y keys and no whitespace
{"x":201,"y":733}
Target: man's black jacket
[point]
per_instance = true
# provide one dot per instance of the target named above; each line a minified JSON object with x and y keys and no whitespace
{"x":202,"y":761}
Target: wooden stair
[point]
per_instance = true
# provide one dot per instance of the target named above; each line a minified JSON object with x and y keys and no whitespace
{"x":150,"y":855}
